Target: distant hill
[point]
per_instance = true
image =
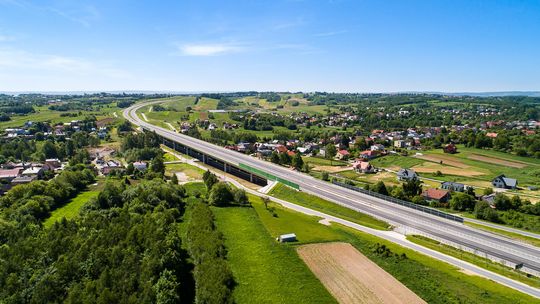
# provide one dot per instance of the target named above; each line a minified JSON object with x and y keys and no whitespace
{"x":493,"y":94}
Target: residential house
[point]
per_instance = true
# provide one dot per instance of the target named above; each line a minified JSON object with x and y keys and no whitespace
{"x":34,"y":171}
{"x":363,"y":167}
{"x":141,"y":166}
{"x":437,"y":195}
{"x":490,"y":199}
{"x":343,"y":154}
{"x":8,"y":175}
{"x":19,"y":180}
{"x":504,"y":182}
{"x":406,"y":175}
{"x":368,"y":154}
{"x":377,"y":147}
{"x":399,"y":143}
{"x":451,"y":186}
{"x":110,"y":166}
{"x":281,"y":149}
{"x":52,"y":164}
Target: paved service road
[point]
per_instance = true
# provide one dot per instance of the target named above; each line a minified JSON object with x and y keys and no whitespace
{"x":453,"y":232}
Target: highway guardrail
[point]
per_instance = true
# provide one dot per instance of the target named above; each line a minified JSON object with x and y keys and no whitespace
{"x":402,"y":202}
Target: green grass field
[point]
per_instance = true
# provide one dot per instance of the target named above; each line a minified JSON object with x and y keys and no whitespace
{"x":318,"y":161}
{"x":71,"y":209}
{"x":307,"y":200}
{"x":189,"y":170}
{"x":393,"y":160}
{"x":264,"y":270}
{"x":476,"y":260}
{"x":43,"y":114}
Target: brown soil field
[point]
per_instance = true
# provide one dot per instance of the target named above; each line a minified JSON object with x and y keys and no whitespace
{"x":432,"y":168}
{"x":203,"y":115}
{"x":447,"y":160}
{"x":353,"y":278}
{"x":497,"y":161}
{"x":332,"y":169}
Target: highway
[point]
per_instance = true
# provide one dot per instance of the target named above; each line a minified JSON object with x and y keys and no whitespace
{"x":412,"y":220}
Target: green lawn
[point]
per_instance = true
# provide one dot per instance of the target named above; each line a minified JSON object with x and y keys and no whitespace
{"x":190,"y":170}
{"x":264,"y":270}
{"x":169,"y":157}
{"x":476,"y":260}
{"x":206,"y":104}
{"x":307,"y":200}
{"x":318,"y":161}
{"x":71,"y":209}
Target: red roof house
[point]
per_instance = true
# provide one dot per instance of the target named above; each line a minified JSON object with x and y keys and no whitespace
{"x":439,"y":195}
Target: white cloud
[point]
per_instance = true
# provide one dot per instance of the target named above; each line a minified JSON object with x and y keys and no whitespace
{"x":209,"y":49}
{"x":20,"y":59}
{"x":328,"y":34}
{"x":4,"y":38}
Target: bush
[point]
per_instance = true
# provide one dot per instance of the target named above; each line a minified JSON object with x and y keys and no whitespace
{"x":220,"y":195}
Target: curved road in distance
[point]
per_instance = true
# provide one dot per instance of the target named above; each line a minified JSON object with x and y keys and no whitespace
{"x":453,"y":232}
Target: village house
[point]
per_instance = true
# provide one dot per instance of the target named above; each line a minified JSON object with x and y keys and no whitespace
{"x":504,"y":182}
{"x":399,"y":143}
{"x":377,"y":147}
{"x":363,"y":167}
{"x":110,"y":166}
{"x":437,"y":195}
{"x":406,"y":175}
{"x":36,"y":171}
{"x":368,"y":154}
{"x":7,"y":175}
{"x":452,"y":186}
{"x":141,"y":166}
{"x":343,"y":154}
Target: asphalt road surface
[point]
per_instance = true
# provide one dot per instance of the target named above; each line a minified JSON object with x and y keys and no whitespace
{"x":453,"y":232}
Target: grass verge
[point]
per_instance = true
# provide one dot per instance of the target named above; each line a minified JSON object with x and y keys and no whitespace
{"x":307,"y":200}
{"x":476,"y":260}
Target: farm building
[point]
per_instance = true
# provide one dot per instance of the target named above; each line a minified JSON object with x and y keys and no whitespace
{"x":504,"y":182}
{"x":290,"y":237}
{"x":451,"y":186}
{"x":438,"y":195}
{"x":406,"y":175}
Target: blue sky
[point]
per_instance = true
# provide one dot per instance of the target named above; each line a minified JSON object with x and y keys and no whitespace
{"x":339,"y":45}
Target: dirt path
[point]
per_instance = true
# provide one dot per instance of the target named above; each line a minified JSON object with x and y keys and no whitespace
{"x":144,"y":116}
{"x":332,"y":169}
{"x":353,"y":278}
{"x":447,"y":160}
{"x":497,"y":161}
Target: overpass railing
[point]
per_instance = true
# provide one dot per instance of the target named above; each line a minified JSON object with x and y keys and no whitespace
{"x":269,"y":176}
{"x":402,"y":202}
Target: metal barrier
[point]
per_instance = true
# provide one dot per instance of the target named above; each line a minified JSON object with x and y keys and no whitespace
{"x":269,"y":176}
{"x":402,"y":202}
